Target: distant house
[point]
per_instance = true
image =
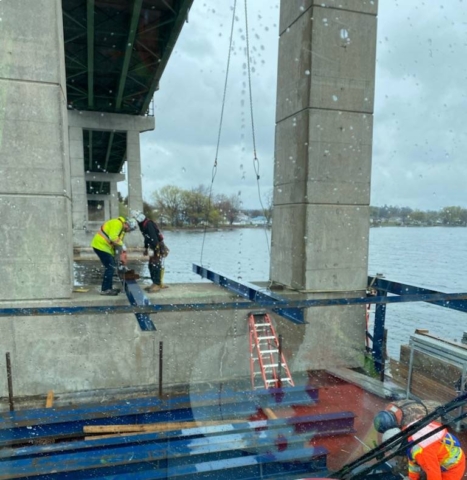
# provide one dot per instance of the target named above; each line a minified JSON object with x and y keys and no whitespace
{"x":242,"y":219}
{"x":259,"y":220}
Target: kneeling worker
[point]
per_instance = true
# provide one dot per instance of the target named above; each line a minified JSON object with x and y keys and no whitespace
{"x":108,"y":245}
{"x":439,"y":456}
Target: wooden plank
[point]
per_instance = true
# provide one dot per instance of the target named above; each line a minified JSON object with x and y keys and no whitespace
{"x":422,"y":386}
{"x":50,"y":399}
{"x":431,"y":367}
{"x":154,"y":427}
{"x":270,"y":414}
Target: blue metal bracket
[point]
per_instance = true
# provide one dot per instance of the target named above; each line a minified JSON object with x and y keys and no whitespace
{"x":261,"y":296}
{"x":404,"y":292}
{"x":138,"y":298}
{"x":447,"y":300}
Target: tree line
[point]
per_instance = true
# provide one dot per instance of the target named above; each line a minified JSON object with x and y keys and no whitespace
{"x":447,"y":216}
{"x":176,"y":207}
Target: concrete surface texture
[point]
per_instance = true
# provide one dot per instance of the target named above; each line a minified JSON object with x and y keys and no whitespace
{"x":324,"y":129}
{"x":73,"y":353}
{"x":35,"y":190}
{"x":133,"y":125}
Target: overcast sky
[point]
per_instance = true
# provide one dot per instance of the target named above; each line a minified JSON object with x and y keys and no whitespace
{"x":420,"y":131}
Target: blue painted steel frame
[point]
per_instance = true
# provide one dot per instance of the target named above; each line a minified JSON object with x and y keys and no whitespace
{"x":256,"y":294}
{"x":137,"y":298}
{"x":456,"y":301}
{"x":383,"y":287}
{"x":272,"y":445}
{"x":23,"y":426}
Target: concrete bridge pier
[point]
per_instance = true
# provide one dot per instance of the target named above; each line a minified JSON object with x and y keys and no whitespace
{"x":35,"y":191}
{"x":86,"y":218}
{"x":324,"y":126}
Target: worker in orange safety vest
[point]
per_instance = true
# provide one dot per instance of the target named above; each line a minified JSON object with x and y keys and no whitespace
{"x":439,"y":456}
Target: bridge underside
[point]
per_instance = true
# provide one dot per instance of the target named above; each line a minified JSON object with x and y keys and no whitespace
{"x":115,"y":54}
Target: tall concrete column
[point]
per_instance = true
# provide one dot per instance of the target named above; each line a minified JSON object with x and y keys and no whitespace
{"x":111,"y":122}
{"x":322,"y":168}
{"x":35,"y":191}
{"x":114,"y":211}
{"x":78,"y":182}
{"x":133,"y":160}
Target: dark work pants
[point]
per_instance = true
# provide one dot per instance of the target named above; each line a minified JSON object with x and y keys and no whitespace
{"x":155,"y":268}
{"x":109,"y":263}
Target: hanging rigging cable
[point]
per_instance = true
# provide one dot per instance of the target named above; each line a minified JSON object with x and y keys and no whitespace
{"x":255,"y":157}
{"x":214,"y":167}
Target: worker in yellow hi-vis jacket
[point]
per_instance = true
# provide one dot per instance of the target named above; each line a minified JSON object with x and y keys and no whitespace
{"x":108,"y":244}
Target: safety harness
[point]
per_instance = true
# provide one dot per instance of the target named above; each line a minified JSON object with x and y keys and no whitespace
{"x":104,"y":235}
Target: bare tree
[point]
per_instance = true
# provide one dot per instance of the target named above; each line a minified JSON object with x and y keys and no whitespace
{"x":229,"y":207}
{"x":268,"y":206}
{"x":168,"y":201}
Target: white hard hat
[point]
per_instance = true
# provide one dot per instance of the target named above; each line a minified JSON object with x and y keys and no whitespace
{"x":392,"y":432}
{"x":139,"y":216}
{"x":132,"y":225}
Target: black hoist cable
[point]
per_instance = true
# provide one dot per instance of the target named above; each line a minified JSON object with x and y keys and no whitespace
{"x":214,"y":167}
{"x":253,"y":133}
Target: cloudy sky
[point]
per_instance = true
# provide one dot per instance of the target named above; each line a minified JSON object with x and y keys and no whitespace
{"x":420,"y":133}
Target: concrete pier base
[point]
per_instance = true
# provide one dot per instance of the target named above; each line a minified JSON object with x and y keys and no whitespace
{"x":77,"y":353}
{"x":74,"y":353}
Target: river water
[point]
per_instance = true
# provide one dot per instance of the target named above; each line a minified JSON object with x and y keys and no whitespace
{"x":434,"y":257}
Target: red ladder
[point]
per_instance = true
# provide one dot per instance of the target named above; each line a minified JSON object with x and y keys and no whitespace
{"x":265,"y":353}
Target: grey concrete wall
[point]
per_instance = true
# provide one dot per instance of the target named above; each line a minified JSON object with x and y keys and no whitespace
{"x":73,"y":353}
{"x":110,"y":121}
{"x":35,"y":189}
{"x":78,"y":181}
{"x":324,"y":128}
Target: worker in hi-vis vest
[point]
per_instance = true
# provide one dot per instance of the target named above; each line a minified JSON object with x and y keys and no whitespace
{"x":108,"y":245}
{"x":438,"y":457}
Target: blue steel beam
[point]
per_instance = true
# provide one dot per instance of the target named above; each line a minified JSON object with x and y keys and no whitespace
{"x":137,"y":298}
{"x":279,"y":464}
{"x":441,"y":299}
{"x":336,"y":423}
{"x":383,"y":287}
{"x":378,"y":343}
{"x":456,"y":301}
{"x":130,"y":454}
{"x":261,"y":296}
{"x":30,"y":425}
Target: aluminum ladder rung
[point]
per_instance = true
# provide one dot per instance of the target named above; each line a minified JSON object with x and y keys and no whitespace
{"x":264,"y":347}
{"x":271,"y":365}
{"x":285,"y":379}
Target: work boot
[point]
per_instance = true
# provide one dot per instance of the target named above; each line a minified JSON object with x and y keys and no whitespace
{"x":154,"y":288}
{"x":112,"y":292}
